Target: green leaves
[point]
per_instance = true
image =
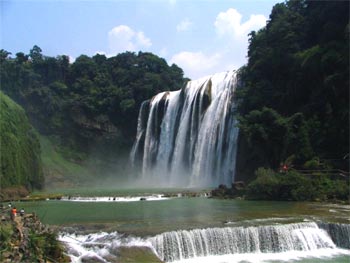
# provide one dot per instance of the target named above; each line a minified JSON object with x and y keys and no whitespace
{"x":267,"y":130}
{"x":84,"y":101}
{"x":294,"y":98}
{"x":20,"y":149}
{"x":270,"y":185}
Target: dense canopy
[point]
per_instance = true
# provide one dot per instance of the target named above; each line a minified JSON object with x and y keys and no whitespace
{"x":294,"y":100}
{"x":90,"y":101}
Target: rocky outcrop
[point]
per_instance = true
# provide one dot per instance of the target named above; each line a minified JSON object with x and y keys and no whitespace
{"x":100,"y":123}
{"x":237,"y":190}
{"x":13,"y":193}
{"x":24,"y":239}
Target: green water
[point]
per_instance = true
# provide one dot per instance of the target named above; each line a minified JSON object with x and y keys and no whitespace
{"x":147,"y":218}
{"x":152,"y":217}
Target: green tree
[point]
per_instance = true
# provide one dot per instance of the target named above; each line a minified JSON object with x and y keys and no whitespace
{"x":298,"y":67}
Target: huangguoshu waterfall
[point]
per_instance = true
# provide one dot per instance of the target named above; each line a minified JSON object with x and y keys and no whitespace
{"x":188,"y":137}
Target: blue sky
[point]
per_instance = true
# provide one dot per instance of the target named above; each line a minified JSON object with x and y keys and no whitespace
{"x":201,"y":36}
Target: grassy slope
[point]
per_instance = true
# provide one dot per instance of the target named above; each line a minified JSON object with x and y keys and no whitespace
{"x":20,"y":148}
{"x":60,"y":172}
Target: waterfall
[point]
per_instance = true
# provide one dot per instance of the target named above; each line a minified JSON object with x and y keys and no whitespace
{"x":273,"y":243}
{"x":188,"y":137}
{"x":340,"y":233}
{"x":183,"y":244}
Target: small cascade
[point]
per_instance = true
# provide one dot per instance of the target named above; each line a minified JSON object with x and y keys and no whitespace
{"x":188,"y":137}
{"x":340,"y":233}
{"x":178,"y":245}
{"x":275,"y":242}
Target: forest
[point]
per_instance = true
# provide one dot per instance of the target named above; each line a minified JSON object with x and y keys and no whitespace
{"x":87,"y":109}
{"x":293,"y":103}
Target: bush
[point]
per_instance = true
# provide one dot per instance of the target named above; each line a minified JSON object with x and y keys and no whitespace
{"x":265,"y":186}
{"x":270,"y":185}
{"x":294,"y":186}
{"x":312,"y":164}
{"x":6,"y":232}
{"x":44,"y":245}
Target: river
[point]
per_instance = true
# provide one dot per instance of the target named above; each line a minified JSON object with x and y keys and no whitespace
{"x":199,"y":229}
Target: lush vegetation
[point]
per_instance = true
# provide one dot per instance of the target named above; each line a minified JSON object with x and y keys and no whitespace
{"x":293,"y":105}
{"x":20,"y":148}
{"x":59,"y":171}
{"x":288,"y":186}
{"x":88,"y":109}
{"x":26,"y":239}
{"x":271,"y":185}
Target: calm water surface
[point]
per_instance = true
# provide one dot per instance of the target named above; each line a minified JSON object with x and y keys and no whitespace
{"x":152,"y":217}
{"x":148,"y":218}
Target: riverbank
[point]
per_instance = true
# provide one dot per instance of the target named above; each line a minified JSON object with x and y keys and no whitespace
{"x":103,"y":194}
{"x":24,"y":239}
{"x":118,"y":223}
{"x":288,"y":186}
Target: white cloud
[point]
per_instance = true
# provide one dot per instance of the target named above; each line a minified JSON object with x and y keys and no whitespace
{"x":100,"y":53}
{"x":172,"y":2}
{"x":229,"y":24}
{"x":230,"y":49}
{"x":71,"y":59}
{"x":184,"y":25}
{"x":123,"y":38}
{"x":164,"y":52}
{"x":196,"y":64}
{"x":142,"y":40}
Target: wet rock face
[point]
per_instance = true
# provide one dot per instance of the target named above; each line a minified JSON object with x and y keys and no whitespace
{"x":100,"y":124}
{"x":93,"y":259}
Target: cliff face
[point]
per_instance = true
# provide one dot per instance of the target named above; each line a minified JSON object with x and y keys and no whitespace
{"x":20,"y":148}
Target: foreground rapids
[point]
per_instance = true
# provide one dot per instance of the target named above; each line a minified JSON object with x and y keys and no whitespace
{"x":229,"y":244}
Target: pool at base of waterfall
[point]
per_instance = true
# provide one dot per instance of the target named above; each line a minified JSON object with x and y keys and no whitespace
{"x":197,"y":229}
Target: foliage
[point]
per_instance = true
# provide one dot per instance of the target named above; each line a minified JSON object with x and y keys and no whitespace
{"x":92,"y":102}
{"x":60,"y":171}
{"x":270,"y":185}
{"x":294,"y":98}
{"x":44,"y":245}
{"x":6,"y":232}
{"x":20,"y":148}
{"x":279,"y":137}
{"x":265,"y":186}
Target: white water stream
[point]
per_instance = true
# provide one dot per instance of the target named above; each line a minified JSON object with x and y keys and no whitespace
{"x":230,"y":244}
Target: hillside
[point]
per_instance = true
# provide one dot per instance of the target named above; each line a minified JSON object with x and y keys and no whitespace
{"x":293,"y":106}
{"x":86,"y":111}
{"x":20,"y":149}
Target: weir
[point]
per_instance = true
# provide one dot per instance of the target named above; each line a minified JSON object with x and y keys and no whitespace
{"x":179,"y":245}
{"x":272,"y":242}
{"x":188,"y":137}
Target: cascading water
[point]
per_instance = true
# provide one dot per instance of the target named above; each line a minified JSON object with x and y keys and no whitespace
{"x":188,"y":137}
{"x":340,"y":233}
{"x":230,"y":244}
{"x":180,"y":245}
